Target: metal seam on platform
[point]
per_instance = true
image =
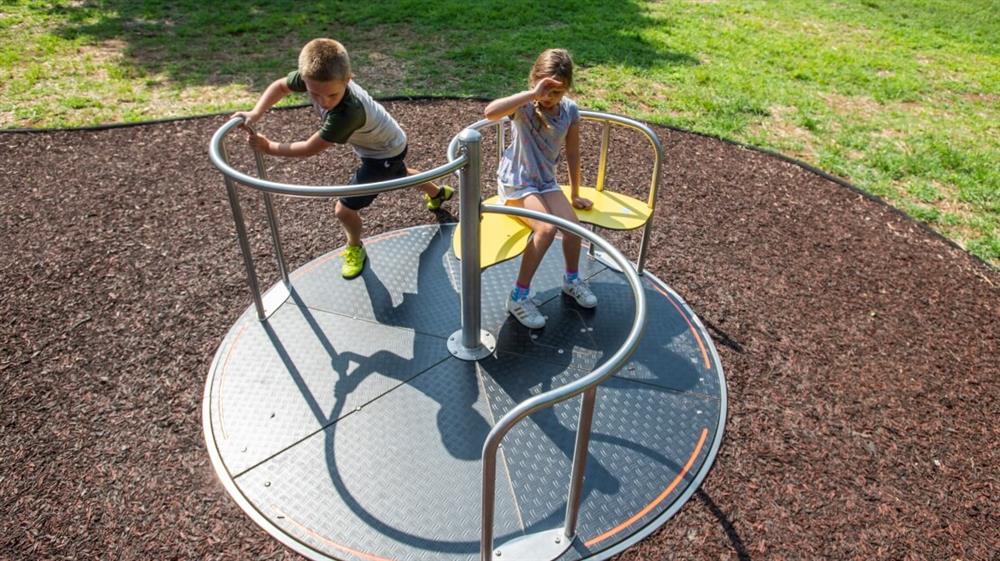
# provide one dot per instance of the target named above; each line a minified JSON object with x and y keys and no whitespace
{"x":372,"y":321}
{"x":667,"y":389}
{"x":296,"y":539}
{"x":222,"y":380}
{"x":502,"y":455}
{"x":534,"y":341}
{"x":330,"y":423}
{"x":338,"y":251}
{"x":325,"y":423}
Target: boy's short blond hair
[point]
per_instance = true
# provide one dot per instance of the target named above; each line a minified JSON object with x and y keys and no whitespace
{"x":324,"y":60}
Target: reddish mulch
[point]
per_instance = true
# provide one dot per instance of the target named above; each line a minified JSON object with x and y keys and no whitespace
{"x":862,"y":351}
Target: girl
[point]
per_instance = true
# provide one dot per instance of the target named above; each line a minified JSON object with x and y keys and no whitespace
{"x":543,"y":120}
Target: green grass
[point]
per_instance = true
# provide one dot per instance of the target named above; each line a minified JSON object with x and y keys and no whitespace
{"x":901,"y":97}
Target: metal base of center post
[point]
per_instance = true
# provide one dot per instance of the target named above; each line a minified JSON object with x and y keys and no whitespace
{"x":487,"y":344}
{"x":547,"y":545}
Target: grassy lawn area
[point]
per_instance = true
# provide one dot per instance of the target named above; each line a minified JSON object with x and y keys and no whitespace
{"x":900,"y":97}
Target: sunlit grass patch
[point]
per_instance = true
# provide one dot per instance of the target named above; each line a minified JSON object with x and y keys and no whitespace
{"x":900,"y":97}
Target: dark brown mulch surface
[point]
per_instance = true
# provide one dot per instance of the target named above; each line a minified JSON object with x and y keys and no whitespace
{"x":861,"y":350}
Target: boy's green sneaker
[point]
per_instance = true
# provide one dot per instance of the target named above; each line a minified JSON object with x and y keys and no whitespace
{"x":444,"y":194}
{"x":354,"y":261}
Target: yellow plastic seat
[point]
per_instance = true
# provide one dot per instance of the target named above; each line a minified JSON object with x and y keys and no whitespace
{"x":613,"y":211}
{"x":504,"y":237}
{"x":501,"y":237}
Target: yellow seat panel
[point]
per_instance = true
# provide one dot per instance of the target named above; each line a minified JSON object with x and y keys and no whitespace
{"x":501,"y":237}
{"x":504,"y":237}
{"x":613,"y":211}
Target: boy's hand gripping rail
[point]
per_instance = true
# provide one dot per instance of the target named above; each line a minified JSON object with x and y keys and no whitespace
{"x":218,"y":155}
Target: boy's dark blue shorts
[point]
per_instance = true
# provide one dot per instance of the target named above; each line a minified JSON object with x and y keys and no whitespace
{"x":372,"y":170}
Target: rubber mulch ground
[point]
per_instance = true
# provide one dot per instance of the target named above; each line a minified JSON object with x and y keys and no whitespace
{"x":862,"y":351}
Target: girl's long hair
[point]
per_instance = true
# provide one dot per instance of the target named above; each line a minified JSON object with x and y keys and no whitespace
{"x":554,"y":63}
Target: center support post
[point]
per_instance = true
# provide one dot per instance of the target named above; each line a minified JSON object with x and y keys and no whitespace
{"x":471,"y":342}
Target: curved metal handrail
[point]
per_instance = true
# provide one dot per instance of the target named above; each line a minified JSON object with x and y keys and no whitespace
{"x":645,"y":130}
{"x":587,"y":383}
{"x":216,"y":154}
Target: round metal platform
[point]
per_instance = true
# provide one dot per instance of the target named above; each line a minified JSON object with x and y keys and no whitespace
{"x":345,"y":428}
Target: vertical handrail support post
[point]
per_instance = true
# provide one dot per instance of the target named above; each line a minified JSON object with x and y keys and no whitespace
{"x":471,"y":342}
{"x":241,"y":235}
{"x":267,"y":303}
{"x":580,"y":452}
{"x":272,"y":220}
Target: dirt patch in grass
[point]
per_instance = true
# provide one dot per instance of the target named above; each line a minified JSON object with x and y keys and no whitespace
{"x":861,"y":107}
{"x":781,"y":129}
{"x":860,"y":348}
{"x":105,"y":51}
{"x":378,"y":69}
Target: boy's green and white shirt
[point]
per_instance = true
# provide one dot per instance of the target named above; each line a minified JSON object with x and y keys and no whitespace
{"x":357,"y":120}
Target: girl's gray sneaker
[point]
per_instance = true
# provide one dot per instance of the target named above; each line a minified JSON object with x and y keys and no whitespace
{"x":580,"y":291}
{"x":526,"y":312}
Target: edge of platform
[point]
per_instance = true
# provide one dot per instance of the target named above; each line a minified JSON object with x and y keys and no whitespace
{"x":641,"y":533}
{"x":706,"y":466}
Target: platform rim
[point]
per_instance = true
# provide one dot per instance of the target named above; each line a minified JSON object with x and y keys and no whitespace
{"x":292,"y":542}
{"x":660,"y":521}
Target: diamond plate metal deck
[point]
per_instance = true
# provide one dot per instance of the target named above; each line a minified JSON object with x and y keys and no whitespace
{"x":343,"y":426}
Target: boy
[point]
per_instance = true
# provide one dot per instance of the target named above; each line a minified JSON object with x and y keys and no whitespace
{"x":349,"y":116}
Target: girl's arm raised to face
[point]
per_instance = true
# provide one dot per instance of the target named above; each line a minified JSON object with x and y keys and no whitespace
{"x":500,"y":108}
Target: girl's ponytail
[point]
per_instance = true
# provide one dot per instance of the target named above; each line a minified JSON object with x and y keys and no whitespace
{"x":542,"y":121}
